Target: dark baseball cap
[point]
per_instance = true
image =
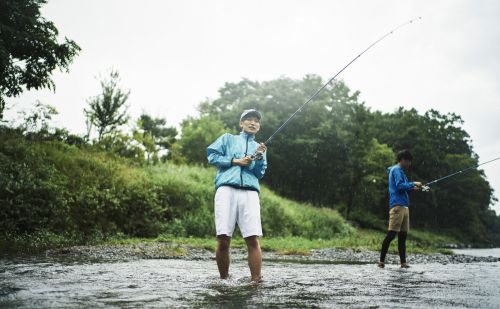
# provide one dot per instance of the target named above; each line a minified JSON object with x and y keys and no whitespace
{"x":250,"y":113}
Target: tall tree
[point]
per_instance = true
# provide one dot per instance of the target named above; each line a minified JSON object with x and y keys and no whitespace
{"x":108,"y":110}
{"x":197,"y":134}
{"x":154,"y":135}
{"x":164,"y":135}
{"x":29,"y":49}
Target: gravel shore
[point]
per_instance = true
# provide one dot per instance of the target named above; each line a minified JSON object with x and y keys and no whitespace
{"x":326,"y":256}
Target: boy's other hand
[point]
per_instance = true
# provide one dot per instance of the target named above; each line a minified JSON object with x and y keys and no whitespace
{"x":418,"y":185}
{"x":262,"y":148}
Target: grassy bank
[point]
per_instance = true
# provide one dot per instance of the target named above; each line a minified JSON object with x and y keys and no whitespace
{"x":418,"y":242}
{"x":358,"y":239}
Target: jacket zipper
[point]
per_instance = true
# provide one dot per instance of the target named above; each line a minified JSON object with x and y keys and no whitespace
{"x":241,"y":167}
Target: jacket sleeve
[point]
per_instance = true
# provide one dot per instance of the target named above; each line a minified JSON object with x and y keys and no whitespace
{"x":258,"y":167}
{"x":217,"y":152}
{"x":401,"y":183}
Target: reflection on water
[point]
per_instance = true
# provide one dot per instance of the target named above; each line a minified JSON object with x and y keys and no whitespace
{"x":49,"y":282}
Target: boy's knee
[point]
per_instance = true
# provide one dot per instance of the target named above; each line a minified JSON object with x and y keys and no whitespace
{"x":223,"y":243}
{"x":252,"y":242}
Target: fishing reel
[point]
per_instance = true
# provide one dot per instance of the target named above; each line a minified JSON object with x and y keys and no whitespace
{"x":257,"y":155}
{"x":426,"y":188}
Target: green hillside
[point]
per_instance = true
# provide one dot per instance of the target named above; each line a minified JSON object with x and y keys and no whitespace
{"x":50,"y":187}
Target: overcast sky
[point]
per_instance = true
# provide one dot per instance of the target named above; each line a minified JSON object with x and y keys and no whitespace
{"x":174,"y":54}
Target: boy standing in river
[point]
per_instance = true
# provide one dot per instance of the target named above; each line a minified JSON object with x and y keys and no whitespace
{"x":237,"y":191}
{"x":399,"y":203}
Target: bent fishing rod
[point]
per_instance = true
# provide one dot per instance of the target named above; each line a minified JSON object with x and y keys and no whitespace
{"x":258,"y":154}
{"x":426,"y":187}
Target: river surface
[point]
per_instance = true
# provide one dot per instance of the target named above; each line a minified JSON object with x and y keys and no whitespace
{"x":495,"y":252}
{"x":62,"y":282}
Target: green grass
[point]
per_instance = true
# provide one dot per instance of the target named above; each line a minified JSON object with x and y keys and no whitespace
{"x":190,"y":190}
{"x":361,"y":240}
{"x":358,"y":239}
{"x":42,"y":240}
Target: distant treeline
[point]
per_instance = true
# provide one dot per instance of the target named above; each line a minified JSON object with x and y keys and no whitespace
{"x":336,"y":152}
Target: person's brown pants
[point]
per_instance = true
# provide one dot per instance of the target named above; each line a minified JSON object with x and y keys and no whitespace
{"x":399,"y":219}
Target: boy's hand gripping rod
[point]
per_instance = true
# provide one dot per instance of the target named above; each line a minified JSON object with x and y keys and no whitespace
{"x":258,"y":154}
{"x":427,"y":187}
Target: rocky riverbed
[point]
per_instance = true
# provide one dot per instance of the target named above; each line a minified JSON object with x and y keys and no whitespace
{"x":326,"y":256}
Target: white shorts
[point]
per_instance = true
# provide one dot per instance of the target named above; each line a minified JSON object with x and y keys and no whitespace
{"x":237,"y":206}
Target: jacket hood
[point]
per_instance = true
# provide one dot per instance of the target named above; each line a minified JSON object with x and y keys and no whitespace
{"x":390,"y":168}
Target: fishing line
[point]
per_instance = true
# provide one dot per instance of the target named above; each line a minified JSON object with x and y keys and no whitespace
{"x":285,"y":124}
{"x":426,"y":187}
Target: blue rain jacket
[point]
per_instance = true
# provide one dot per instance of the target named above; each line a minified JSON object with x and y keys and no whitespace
{"x":228,"y":147}
{"x":399,"y":187}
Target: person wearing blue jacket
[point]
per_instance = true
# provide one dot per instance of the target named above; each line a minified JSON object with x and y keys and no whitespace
{"x":399,"y":203}
{"x":237,"y":191}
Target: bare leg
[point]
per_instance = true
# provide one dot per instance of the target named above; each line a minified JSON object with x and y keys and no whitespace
{"x":222,"y":255}
{"x":254,"y":257}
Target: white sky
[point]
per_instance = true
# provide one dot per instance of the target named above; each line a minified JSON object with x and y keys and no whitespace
{"x":174,"y":54}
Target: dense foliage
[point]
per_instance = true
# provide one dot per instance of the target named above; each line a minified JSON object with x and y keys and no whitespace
{"x":49,"y":186}
{"x":336,"y":152}
{"x":29,"y":49}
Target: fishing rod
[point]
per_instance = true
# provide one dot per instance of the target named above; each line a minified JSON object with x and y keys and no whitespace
{"x":427,"y":187}
{"x":258,"y":154}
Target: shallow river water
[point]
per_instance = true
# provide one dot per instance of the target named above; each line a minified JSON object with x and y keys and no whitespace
{"x":41,"y":282}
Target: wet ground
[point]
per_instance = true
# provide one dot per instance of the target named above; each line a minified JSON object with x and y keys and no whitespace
{"x":62,"y":281}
